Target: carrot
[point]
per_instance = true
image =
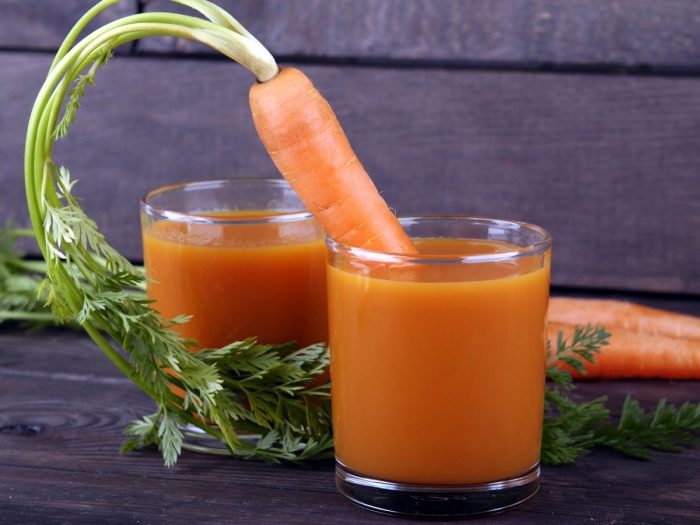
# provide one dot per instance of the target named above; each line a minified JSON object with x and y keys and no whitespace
{"x":307,"y":144}
{"x":621,"y":314}
{"x":633,"y":354}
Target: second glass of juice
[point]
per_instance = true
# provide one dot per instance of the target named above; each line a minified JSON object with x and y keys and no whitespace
{"x":242,"y":257}
{"x":438,"y":367}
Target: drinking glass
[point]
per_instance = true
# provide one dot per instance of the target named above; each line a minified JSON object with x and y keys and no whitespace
{"x":438,"y":367}
{"x":241,"y":258}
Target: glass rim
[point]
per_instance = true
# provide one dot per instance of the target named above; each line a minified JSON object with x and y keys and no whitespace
{"x":536,"y":248}
{"x":178,"y":216}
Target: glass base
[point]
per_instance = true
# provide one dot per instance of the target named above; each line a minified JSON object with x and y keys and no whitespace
{"x":436,"y":501}
{"x":196,"y":440}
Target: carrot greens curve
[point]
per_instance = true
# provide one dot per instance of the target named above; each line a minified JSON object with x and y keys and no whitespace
{"x":86,"y":281}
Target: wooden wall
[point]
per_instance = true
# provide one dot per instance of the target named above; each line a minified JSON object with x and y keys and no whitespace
{"x":580,"y":115}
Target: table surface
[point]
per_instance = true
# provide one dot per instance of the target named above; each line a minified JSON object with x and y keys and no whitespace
{"x":63,"y":407}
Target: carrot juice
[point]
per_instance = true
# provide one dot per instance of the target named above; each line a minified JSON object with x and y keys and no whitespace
{"x":438,"y":360}
{"x":239,"y":273}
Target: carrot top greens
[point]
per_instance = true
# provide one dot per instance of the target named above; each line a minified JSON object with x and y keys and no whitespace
{"x":87,"y":282}
{"x":572,"y":429}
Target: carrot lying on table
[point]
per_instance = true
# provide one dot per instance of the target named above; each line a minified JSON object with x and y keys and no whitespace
{"x":635,"y":354}
{"x":622,"y":314}
{"x":307,"y":144}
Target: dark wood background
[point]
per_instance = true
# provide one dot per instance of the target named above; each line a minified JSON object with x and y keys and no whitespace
{"x":579,"y":115}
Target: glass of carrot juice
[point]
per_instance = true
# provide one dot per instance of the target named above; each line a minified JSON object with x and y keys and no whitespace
{"x":438,"y":367}
{"x":242,"y":257}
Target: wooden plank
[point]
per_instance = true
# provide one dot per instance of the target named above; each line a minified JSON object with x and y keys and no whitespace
{"x":527,"y":33}
{"x":521,"y":33}
{"x":599,"y":490}
{"x":69,"y":471}
{"x":43,"y":24}
{"x":607,"y":163}
{"x":77,"y":362}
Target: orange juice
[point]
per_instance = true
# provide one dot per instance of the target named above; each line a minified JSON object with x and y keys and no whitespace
{"x":438,"y":369}
{"x":239,"y":279}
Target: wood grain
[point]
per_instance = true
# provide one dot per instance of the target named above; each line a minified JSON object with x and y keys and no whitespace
{"x":43,"y":24}
{"x":609,"y":164}
{"x":521,"y":33}
{"x":643,"y":34}
{"x":63,"y":407}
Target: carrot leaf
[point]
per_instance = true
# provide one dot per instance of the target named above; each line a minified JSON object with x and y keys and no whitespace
{"x":568,"y":431}
{"x":19,"y":282}
{"x":77,"y":92}
{"x":582,"y":347}
{"x":639,"y":433}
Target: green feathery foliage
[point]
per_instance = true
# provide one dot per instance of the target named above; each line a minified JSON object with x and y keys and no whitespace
{"x":572,"y":429}
{"x":87,"y":282}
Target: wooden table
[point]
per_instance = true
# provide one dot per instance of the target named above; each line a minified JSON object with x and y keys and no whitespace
{"x":63,"y":406}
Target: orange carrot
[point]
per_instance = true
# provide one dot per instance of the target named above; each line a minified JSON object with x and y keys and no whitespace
{"x":621,"y":314}
{"x":633,"y":354}
{"x":307,"y":144}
